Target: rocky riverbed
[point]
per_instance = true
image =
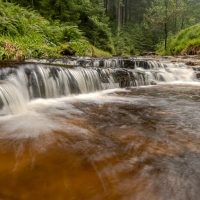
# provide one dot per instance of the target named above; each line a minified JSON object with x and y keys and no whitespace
{"x":192,"y":61}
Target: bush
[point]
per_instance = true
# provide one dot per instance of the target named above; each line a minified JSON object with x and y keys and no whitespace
{"x":25,"y":34}
{"x":186,"y":41}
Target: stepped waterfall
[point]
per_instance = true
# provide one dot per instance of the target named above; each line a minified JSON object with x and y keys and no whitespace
{"x":58,"y":78}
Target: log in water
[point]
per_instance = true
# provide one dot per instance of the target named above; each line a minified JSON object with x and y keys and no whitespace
{"x":63,"y":136}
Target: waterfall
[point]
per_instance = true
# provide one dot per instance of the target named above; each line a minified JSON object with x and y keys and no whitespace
{"x":57,"y":78}
{"x":11,"y":100}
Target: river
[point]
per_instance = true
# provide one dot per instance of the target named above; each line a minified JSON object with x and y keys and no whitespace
{"x":90,"y":134}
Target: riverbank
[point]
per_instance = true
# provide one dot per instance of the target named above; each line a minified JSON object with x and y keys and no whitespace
{"x":26,"y":34}
{"x":192,"y":61}
{"x":187,"y":41}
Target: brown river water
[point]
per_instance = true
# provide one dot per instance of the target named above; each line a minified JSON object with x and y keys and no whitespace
{"x":139,"y":143}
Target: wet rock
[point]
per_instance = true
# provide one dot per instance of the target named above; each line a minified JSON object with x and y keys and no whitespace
{"x":198,"y":75}
{"x":101,"y":63}
{"x":190,"y":63}
{"x":129,"y":64}
{"x":123,"y":77}
{"x":166,"y":57}
{"x":10,"y":63}
{"x":196,"y":68}
{"x":148,"y":54}
{"x":127,"y":78}
{"x":153,"y":83}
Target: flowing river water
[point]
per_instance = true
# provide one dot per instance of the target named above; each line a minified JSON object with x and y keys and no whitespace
{"x":90,"y":133}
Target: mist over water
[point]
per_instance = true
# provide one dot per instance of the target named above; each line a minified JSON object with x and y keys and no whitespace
{"x":138,"y":142}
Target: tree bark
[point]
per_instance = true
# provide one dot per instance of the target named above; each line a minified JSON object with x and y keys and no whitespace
{"x":166,"y":35}
{"x":119,"y":15}
{"x":31,"y":3}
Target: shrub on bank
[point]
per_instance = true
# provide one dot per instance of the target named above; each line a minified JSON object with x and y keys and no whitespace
{"x":186,"y":41}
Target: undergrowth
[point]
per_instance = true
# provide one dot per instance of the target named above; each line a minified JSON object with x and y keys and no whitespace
{"x":25,"y":34}
{"x":186,"y":41}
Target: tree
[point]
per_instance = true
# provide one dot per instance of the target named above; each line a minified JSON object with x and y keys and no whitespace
{"x":95,"y":24}
{"x":63,"y":10}
{"x":162,"y":13}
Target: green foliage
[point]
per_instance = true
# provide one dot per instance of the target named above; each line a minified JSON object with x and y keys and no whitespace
{"x":133,"y":39}
{"x":84,"y":48}
{"x":171,"y":16}
{"x":15,"y":20}
{"x":62,"y":10}
{"x":24,"y":33}
{"x":186,"y":41}
{"x":117,"y":26}
{"x":95,"y":24}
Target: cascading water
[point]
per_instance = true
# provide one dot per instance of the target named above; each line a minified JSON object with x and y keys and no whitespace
{"x":31,"y":81}
{"x":83,"y":129}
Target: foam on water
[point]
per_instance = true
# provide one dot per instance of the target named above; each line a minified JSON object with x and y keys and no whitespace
{"x":136,"y":143}
{"x":44,"y":120}
{"x":68,"y":92}
{"x":197,"y":83}
{"x":32,"y":81}
{"x":40,"y":114}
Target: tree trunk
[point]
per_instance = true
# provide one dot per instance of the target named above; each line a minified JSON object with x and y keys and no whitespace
{"x":106,"y":5}
{"x":165,"y":25}
{"x":119,"y":15}
{"x":166,"y":35}
{"x":31,"y":3}
{"x":124,"y":14}
{"x":182,"y":23}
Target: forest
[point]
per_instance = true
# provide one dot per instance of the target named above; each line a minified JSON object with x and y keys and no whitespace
{"x":118,"y":27}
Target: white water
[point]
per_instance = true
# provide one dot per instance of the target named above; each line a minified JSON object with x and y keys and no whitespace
{"x":33,"y":81}
{"x":134,"y":143}
{"x":74,"y":134}
{"x":42,"y":117}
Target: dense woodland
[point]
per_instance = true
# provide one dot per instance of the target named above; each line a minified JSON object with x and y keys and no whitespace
{"x":119,"y":26}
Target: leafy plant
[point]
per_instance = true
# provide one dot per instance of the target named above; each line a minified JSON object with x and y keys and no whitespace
{"x":186,"y":41}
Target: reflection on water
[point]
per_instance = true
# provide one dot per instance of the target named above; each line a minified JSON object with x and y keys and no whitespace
{"x":138,"y":143}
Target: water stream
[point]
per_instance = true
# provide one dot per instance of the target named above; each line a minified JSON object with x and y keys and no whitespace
{"x":99,"y":129}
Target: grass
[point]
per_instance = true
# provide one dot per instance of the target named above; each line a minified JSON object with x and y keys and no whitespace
{"x":84,"y":48}
{"x":186,"y":41}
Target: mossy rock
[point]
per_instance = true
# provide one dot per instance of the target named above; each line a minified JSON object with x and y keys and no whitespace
{"x":68,"y":51}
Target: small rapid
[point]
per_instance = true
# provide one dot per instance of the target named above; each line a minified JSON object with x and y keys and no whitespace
{"x":137,"y":143}
{"x":99,"y":129}
{"x":47,"y":79}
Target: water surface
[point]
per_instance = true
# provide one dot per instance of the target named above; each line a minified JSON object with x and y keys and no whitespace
{"x":135,"y":143}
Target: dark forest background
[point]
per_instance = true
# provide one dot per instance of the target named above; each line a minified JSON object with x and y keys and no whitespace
{"x":121,"y":26}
